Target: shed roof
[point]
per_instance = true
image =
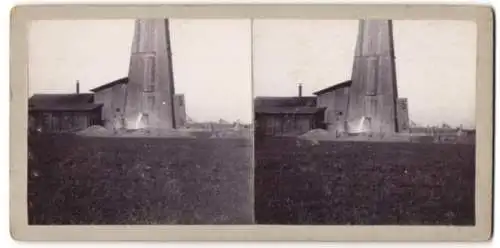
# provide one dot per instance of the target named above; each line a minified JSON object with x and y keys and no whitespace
{"x":304,"y":101}
{"x":334,"y":87}
{"x":110,"y":84}
{"x":287,"y":110}
{"x":62,"y":102}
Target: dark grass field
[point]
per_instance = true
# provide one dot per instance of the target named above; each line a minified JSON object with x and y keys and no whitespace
{"x":338,"y":183}
{"x":90,"y":180}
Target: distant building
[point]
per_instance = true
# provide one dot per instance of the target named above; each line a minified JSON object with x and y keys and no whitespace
{"x":63,"y":112}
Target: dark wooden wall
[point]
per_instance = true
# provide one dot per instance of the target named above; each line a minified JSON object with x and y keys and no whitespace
{"x":63,"y":121}
{"x":287,"y":124}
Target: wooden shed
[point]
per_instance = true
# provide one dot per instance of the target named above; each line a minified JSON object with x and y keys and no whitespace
{"x":63,"y":112}
{"x":335,"y":100}
{"x":112,"y":97}
{"x":286,"y":116}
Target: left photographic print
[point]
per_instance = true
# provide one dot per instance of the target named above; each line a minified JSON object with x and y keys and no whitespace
{"x":140,"y":122}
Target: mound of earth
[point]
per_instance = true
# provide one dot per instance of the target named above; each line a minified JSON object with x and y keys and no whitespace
{"x":160,"y":133}
{"x":94,"y":131}
{"x":317,"y":134}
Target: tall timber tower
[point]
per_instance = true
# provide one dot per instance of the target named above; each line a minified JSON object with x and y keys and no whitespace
{"x":150,"y":91}
{"x":373,"y":93}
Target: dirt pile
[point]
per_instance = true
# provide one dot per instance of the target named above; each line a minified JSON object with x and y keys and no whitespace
{"x":95,"y":131}
{"x":316,"y":134}
{"x":137,"y":133}
{"x":159,"y":133}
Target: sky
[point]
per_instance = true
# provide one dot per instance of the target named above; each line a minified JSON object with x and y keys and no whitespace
{"x":435,"y":62}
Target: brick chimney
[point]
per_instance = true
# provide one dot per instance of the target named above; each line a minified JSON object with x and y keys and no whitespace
{"x":77,"y":87}
{"x":300,"y":90}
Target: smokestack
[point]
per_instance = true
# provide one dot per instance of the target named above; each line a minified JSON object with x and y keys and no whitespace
{"x":151,"y":53}
{"x":300,"y":90}
{"x":77,"y":87}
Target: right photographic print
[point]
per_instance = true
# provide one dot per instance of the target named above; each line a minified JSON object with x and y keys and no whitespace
{"x":364,"y":122}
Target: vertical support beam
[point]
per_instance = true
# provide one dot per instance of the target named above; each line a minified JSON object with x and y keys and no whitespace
{"x":403,"y":116}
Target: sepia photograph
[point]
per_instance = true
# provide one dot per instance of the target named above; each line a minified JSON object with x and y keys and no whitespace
{"x":312,"y":122}
{"x":364,"y":122}
{"x":130,"y":122}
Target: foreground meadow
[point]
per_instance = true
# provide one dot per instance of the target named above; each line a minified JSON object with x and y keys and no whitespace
{"x":103,"y":180}
{"x":364,"y":183}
